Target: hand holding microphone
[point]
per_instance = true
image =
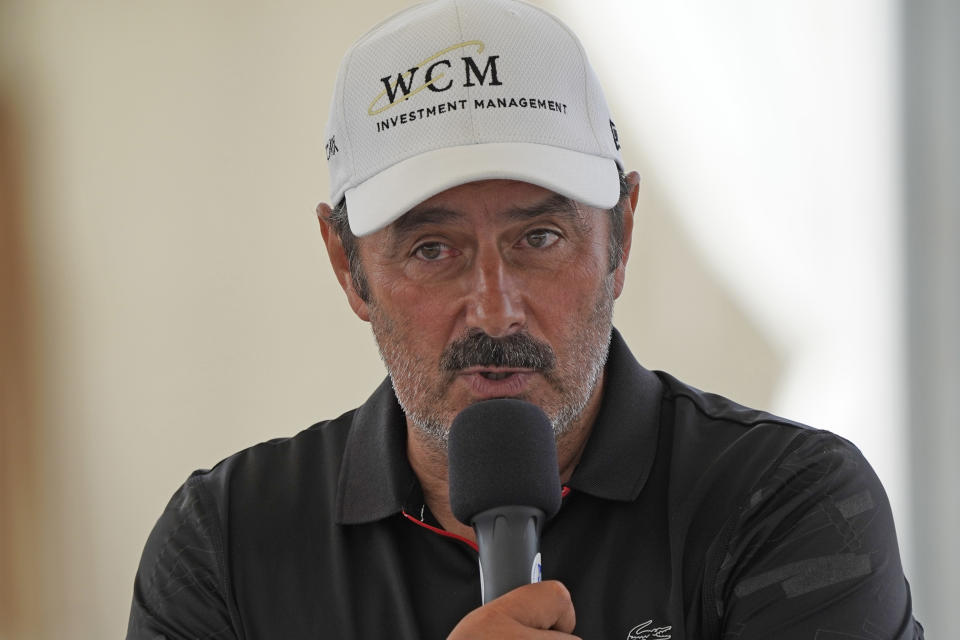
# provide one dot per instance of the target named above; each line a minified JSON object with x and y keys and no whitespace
{"x":504,"y":482}
{"x":541,"y":610}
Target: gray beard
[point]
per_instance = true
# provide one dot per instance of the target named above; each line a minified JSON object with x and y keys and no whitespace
{"x":436,"y":434}
{"x":587,"y":367}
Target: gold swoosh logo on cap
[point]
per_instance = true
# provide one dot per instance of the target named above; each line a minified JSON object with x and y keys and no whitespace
{"x":370,"y":109}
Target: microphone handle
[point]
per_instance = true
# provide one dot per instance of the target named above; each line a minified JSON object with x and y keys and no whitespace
{"x":509,"y":542}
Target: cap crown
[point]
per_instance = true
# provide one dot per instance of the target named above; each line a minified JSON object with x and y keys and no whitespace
{"x":462,"y":72}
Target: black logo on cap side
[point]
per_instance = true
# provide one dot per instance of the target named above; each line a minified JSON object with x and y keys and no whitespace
{"x":332,"y":147}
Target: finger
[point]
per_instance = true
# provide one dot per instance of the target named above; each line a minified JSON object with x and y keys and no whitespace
{"x":542,"y":605}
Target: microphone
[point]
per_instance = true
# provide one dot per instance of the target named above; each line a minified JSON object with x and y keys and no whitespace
{"x":505,"y":483}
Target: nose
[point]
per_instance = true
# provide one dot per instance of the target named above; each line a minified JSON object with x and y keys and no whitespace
{"x":495,"y":304}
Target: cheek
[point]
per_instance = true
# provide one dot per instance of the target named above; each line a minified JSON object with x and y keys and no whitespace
{"x":423,"y":317}
{"x":566,"y":308}
{"x":571,"y":288}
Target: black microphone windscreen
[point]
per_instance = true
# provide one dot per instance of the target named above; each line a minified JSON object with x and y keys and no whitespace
{"x":502,"y":452}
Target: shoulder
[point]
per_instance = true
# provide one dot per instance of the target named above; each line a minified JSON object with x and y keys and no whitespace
{"x":718,"y":443}
{"x":717,"y":415}
{"x":185,"y":577}
{"x":732,"y":466}
{"x":259,"y":473}
{"x":716,"y":431}
{"x":792,"y":521}
{"x":278,"y":470}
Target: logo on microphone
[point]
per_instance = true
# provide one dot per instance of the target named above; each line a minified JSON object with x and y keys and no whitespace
{"x":536,"y":573}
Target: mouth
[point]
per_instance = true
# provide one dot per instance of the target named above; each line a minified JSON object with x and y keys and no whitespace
{"x":494,"y":373}
{"x":497,"y":382}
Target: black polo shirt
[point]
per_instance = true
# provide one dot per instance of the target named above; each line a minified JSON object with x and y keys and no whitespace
{"x":689,"y":516}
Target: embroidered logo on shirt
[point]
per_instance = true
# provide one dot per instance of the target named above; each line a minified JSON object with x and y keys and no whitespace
{"x":644,"y":631}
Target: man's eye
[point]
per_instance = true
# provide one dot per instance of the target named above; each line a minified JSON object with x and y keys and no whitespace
{"x":541,"y":238}
{"x":431,"y":251}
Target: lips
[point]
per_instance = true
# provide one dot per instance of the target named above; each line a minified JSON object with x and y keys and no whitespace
{"x":496,"y":383}
{"x":496,"y":375}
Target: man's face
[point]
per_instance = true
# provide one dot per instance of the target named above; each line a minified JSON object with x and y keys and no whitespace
{"x":492,"y":289}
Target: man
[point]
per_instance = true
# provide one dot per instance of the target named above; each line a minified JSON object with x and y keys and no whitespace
{"x":482,"y":226}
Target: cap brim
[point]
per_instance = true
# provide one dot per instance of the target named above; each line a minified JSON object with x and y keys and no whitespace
{"x":380,"y":200}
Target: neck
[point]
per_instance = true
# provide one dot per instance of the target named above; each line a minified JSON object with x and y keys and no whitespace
{"x":430,"y":464}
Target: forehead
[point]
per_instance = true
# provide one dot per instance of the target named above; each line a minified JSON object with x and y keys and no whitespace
{"x":507,"y":200}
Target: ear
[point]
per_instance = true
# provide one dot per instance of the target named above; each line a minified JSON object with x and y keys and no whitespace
{"x":629,"y":206}
{"x":340,"y":262}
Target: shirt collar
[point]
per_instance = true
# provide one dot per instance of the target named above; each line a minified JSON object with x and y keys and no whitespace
{"x":375,"y":476}
{"x":623,"y":442}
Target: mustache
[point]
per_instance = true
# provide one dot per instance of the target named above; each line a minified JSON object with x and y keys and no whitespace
{"x":478,"y":349}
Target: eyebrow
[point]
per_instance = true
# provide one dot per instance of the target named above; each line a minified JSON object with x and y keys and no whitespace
{"x":417,"y":218}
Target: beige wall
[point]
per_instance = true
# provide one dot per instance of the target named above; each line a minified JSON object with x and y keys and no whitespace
{"x":184,"y":305}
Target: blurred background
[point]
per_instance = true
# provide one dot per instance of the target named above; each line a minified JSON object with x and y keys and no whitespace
{"x":165,"y":299}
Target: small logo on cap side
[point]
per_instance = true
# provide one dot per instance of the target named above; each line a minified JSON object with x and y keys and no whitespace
{"x":332,"y":147}
{"x":616,"y":136}
{"x":402,"y":87}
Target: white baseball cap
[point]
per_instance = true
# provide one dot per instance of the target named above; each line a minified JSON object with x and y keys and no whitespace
{"x":452,"y":91}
